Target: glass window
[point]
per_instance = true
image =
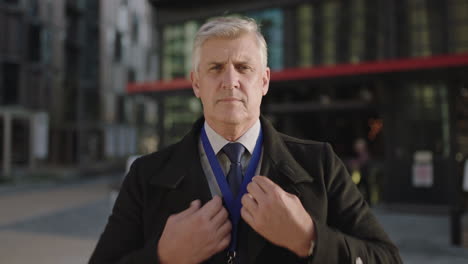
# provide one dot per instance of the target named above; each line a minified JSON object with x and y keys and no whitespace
{"x":11,"y":2}
{"x":140,"y":113}
{"x":129,"y":110}
{"x":34,"y":43}
{"x":46,"y":45}
{"x":424,"y":117}
{"x":91,"y":104}
{"x":118,"y":46}
{"x":74,"y":31}
{"x":10,"y":84}
{"x":151,"y":113}
{"x":190,"y":30}
{"x":173,"y":56}
{"x":20,"y":139}
{"x":458,"y":25}
{"x":330,"y":11}
{"x":33,"y":7}
{"x":461,"y":117}
{"x":271,"y":25}
{"x":81,"y":4}
{"x":181,"y":112}
{"x":305,"y":34}
{"x":418,"y":27}
{"x":131,"y":75}
{"x":120,"y":109}
{"x":177,"y":49}
{"x":13,"y":29}
{"x":357,"y":32}
{"x":3,"y":39}
{"x":91,"y":58}
{"x":70,"y":105}
{"x":135,"y":28}
{"x":33,"y":87}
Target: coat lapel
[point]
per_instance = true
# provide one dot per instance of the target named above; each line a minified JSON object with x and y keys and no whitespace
{"x":280,"y":166}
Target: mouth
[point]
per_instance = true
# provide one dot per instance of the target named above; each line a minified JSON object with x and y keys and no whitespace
{"x":229,"y":100}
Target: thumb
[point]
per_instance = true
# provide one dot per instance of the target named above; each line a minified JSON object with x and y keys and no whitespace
{"x":196,"y":204}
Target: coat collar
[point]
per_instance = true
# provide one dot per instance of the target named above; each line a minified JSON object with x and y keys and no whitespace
{"x":276,"y":158}
{"x":182,"y":159}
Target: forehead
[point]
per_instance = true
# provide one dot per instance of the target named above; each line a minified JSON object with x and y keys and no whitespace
{"x":242,"y":48}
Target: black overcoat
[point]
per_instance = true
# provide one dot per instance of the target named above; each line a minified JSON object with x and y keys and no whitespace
{"x":165,"y":182}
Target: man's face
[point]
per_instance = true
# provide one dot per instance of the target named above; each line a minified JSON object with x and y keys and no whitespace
{"x":231,"y":80}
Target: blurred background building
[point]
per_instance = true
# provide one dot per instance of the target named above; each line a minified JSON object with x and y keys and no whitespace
{"x":390,"y":73}
{"x":64,"y":65}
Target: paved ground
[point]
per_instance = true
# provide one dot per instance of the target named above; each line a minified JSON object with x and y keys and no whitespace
{"x":53,"y":224}
{"x":422,"y":238}
{"x":61,"y":224}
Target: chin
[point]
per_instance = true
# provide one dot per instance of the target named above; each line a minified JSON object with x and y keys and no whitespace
{"x":232,"y":116}
{"x":232,"y":120}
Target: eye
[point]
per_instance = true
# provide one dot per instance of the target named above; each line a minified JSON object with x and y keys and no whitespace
{"x":243,"y":67}
{"x":216,"y":67}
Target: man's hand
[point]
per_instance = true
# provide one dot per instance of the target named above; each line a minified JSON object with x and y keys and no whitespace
{"x":278,"y":216}
{"x":195,"y":234}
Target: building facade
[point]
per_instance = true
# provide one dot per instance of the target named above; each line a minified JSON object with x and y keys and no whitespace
{"x":127,"y":43}
{"x":64,"y":65}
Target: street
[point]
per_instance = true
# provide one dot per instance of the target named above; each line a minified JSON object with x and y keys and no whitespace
{"x":61,"y":224}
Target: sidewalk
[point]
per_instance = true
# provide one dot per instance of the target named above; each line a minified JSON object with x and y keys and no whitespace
{"x":53,"y":224}
{"x":422,"y":238}
{"x":61,"y":224}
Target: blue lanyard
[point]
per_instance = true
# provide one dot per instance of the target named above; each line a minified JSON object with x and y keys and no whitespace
{"x":233,"y":205}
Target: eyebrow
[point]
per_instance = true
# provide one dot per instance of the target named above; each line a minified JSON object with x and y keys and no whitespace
{"x":235,"y":62}
{"x":216,"y":63}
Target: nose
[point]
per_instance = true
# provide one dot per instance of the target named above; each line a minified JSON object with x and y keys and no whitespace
{"x":230,"y":78}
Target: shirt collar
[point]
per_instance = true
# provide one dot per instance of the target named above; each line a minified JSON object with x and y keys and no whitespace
{"x":248,"y":140}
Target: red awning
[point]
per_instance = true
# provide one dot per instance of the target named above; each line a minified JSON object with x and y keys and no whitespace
{"x":365,"y":68}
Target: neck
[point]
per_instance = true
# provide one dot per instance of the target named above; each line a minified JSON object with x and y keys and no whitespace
{"x":231,"y":131}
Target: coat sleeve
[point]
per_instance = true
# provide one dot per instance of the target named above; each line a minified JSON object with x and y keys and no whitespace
{"x":350,"y":233}
{"x":122,"y":239}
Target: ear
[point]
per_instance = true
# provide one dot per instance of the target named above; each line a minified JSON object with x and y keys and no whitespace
{"x":195,"y":85}
{"x":265,"y":81}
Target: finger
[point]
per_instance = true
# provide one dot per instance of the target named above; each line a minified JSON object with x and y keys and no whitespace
{"x":249,"y":202}
{"x":257,"y":193}
{"x":292,"y":196}
{"x":194,"y":206}
{"x":225,"y":229}
{"x":211,"y":208}
{"x":247,"y":216}
{"x":220,"y":217}
{"x":224,"y":243}
{"x":265,"y":184}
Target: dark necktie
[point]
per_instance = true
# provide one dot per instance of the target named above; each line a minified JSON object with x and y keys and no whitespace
{"x":234,"y":152}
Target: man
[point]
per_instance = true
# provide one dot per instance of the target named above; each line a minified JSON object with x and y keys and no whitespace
{"x":301,"y":207}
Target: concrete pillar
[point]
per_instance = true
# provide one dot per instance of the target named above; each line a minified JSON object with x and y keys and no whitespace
{"x":7,"y":144}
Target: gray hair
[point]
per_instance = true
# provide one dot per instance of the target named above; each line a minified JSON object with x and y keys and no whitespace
{"x":228,"y":27}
